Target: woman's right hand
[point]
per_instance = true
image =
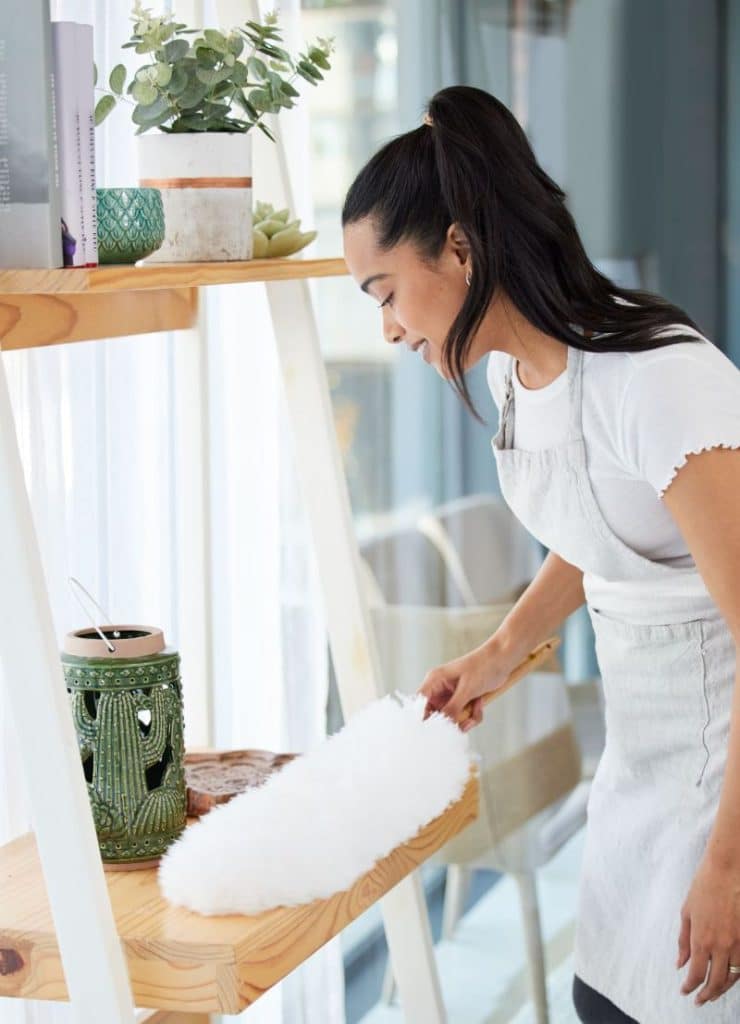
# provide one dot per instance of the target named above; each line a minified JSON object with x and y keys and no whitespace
{"x":450,"y":687}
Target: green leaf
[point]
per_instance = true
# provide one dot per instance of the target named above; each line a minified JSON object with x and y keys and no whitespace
{"x":117,"y":79}
{"x":179,"y":81}
{"x":254,"y":40}
{"x":263,"y":128}
{"x":236,"y":44}
{"x":221,"y":90}
{"x":307,"y":66}
{"x":95,"y":73}
{"x":190,"y":123}
{"x":176,"y":50}
{"x":215,"y":109}
{"x":103,"y":107}
{"x":216,"y":40}
{"x":152,"y":114}
{"x":206,"y":57}
{"x":261,"y":99}
{"x":274,"y":51}
{"x":239,"y":73}
{"x":249,"y":108}
{"x":258,"y":68}
{"x":305,"y":75}
{"x":211,"y":77}
{"x":164,"y":75}
{"x":288,"y":89}
{"x":144,"y":93}
{"x":280,"y":65}
{"x":318,"y":57}
{"x":193,"y":95}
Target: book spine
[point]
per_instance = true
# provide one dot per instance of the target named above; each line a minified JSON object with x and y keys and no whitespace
{"x":29,"y":170}
{"x":64,"y":50}
{"x":85,"y":58}
{"x":52,"y":235}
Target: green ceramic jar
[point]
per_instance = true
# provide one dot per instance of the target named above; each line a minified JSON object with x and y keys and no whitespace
{"x":127,"y":710}
{"x":130,"y":223}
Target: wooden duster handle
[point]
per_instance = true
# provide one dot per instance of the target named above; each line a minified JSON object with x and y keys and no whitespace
{"x":535,"y":658}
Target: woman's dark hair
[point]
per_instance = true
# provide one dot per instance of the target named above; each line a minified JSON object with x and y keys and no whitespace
{"x":475,"y":167}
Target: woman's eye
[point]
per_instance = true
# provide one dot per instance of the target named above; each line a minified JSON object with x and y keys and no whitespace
{"x":385,"y":300}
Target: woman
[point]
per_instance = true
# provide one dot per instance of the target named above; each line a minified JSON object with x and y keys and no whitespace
{"x":617,"y":447}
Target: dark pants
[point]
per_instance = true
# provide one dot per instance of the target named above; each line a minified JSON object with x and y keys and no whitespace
{"x":593,"y":1008}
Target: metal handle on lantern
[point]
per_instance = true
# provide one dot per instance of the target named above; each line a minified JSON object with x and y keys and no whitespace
{"x":97,"y":629}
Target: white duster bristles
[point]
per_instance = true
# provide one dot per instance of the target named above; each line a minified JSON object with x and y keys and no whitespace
{"x":323,"y":820}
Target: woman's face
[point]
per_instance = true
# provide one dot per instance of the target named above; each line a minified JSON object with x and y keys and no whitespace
{"x":418,"y":302}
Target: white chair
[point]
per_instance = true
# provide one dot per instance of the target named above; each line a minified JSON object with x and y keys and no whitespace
{"x":493,"y":558}
{"x":490,"y":553}
{"x":529,"y":762}
{"x":409,"y":569}
{"x":532,"y":796}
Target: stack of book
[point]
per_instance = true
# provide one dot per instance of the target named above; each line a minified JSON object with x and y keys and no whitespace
{"x":47,"y":143}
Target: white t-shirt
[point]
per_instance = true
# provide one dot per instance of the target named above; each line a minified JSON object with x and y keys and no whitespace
{"x":642,"y":413}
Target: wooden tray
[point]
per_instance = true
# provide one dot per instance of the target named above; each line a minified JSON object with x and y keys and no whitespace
{"x":215,"y":776}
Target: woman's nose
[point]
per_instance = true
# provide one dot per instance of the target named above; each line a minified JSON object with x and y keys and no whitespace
{"x":392,"y":331}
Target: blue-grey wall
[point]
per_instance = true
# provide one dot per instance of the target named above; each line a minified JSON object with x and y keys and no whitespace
{"x":643,"y":143}
{"x":731,"y":179}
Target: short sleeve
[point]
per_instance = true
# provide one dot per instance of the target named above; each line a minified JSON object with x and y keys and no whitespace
{"x":675,"y":404}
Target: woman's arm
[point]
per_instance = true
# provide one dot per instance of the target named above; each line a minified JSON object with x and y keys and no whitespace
{"x":704,"y":500}
{"x":554,"y":593}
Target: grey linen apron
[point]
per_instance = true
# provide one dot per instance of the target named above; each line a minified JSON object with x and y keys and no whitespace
{"x":668,"y":695}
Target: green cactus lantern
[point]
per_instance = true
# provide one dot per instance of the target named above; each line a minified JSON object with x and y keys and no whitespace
{"x":127,"y":710}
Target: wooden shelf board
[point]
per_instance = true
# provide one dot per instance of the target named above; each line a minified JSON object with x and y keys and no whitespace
{"x":179,"y":960}
{"x":133,"y":277}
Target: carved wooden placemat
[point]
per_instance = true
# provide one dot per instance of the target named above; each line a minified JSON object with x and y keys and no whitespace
{"x":215,"y":776}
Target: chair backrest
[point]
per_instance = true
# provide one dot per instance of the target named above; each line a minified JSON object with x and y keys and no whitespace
{"x":408,"y":569}
{"x":497,"y":555}
{"x":529,"y":757}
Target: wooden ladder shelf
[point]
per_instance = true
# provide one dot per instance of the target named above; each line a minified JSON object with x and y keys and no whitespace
{"x":183,"y":965}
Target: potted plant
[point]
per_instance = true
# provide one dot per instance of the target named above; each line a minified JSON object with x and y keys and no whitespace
{"x":195,"y":102}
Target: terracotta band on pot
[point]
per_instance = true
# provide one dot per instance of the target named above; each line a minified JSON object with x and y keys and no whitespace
{"x":85,"y":643}
{"x":195,"y":182}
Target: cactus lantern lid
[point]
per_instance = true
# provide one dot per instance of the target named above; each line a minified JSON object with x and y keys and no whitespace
{"x":129,"y":642}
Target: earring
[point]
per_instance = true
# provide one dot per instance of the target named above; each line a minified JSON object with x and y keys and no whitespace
{"x":467,"y":277}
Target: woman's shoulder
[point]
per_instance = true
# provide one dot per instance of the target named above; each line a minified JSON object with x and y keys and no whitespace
{"x":696,"y":361}
{"x":660,"y":404}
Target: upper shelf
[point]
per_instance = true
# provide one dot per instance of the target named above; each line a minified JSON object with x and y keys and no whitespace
{"x":180,"y":960}
{"x":145,"y":276}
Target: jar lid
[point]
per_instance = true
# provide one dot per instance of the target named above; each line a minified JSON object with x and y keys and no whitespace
{"x":129,"y":642}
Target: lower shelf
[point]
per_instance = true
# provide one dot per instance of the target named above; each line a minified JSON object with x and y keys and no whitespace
{"x":180,"y":960}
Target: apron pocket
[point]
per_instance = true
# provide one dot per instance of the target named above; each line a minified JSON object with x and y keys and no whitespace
{"x":657,"y":709}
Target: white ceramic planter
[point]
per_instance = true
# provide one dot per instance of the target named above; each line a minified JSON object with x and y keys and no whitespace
{"x":206,"y":184}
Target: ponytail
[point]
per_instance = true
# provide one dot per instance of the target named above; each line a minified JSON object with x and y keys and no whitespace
{"x":471,"y":163}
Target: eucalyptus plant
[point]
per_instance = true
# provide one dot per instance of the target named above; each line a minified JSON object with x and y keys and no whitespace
{"x":215,"y":82}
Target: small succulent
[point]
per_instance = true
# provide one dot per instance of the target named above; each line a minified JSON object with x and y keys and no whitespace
{"x":215,"y":82}
{"x":274,"y":234}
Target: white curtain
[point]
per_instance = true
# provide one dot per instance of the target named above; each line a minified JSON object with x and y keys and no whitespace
{"x":99,"y":428}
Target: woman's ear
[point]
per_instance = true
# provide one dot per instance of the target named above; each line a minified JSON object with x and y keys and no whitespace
{"x":457,"y":242}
